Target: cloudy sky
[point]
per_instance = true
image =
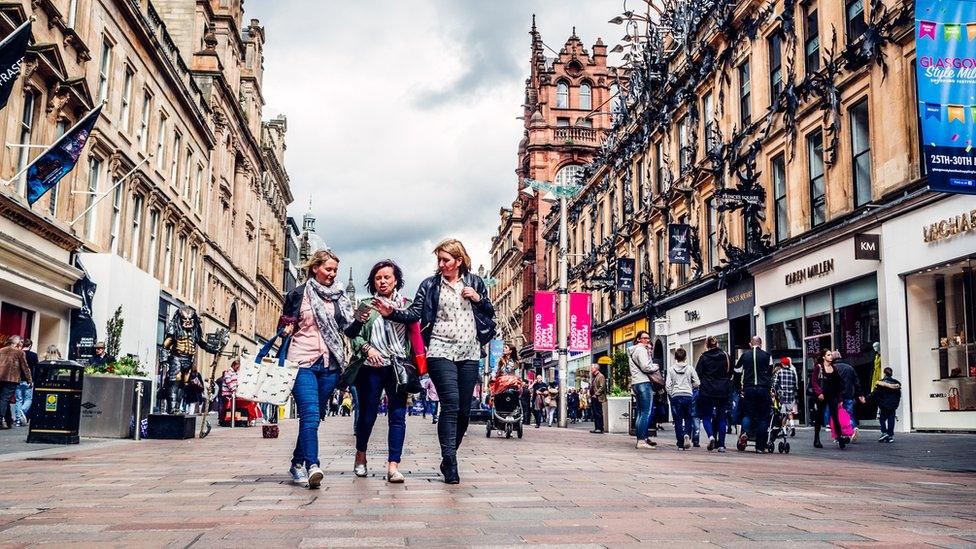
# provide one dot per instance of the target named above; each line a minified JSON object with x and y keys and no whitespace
{"x":402,"y":124}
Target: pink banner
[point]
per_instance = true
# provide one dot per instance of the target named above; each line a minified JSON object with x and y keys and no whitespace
{"x":544,"y":322}
{"x":580,"y":323}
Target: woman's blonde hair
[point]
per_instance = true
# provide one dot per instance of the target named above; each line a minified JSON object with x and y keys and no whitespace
{"x":317,"y":259}
{"x":455,"y":249}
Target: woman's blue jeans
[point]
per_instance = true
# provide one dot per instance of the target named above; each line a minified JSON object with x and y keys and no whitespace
{"x":713,"y":412}
{"x":313,"y":388}
{"x":371,"y":382}
{"x":645,"y":408}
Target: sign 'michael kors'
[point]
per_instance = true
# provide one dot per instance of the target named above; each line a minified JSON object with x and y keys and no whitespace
{"x":952,"y":226}
{"x":823,"y":268}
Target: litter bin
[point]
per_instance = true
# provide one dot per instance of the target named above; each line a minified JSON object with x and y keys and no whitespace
{"x":56,"y":410}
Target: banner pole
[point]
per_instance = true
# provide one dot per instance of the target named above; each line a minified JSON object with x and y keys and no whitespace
{"x":106,"y":193}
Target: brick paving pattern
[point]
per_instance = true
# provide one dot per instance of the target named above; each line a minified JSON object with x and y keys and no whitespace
{"x":554,"y":487}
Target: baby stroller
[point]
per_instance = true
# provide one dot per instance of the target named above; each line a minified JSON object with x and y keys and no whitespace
{"x":777,"y":430}
{"x":506,"y":413}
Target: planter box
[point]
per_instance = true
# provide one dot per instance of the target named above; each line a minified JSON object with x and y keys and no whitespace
{"x":618,"y":414}
{"x":108,"y":405}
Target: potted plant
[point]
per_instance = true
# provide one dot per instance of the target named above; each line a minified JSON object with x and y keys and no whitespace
{"x":618,"y":401}
{"x":108,"y":396}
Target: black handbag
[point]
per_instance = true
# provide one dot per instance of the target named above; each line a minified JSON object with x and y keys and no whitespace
{"x":405,"y":375}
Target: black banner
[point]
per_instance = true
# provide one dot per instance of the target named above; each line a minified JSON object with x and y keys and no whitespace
{"x":81,"y":344}
{"x":12,"y":51}
{"x":679,"y":244}
{"x":625,"y":274}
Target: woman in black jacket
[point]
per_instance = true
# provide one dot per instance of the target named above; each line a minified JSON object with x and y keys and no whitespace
{"x":714,"y":369}
{"x":456,"y":320}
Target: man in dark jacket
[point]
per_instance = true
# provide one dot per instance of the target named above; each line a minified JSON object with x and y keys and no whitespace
{"x":598,"y":396}
{"x":844,"y":386}
{"x":715,"y":373}
{"x":757,"y":402}
{"x":887,"y":395}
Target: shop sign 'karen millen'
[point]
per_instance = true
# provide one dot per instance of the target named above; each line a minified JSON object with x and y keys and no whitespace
{"x":820,"y":269}
{"x":950,"y":227}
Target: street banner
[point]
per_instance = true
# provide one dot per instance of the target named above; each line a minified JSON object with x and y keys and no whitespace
{"x":60,"y":158}
{"x":679,"y":239}
{"x":544,"y":322}
{"x":625,"y":274}
{"x":83,"y":333}
{"x":946,"y":79}
{"x":12,"y":50}
{"x":580,"y":322}
{"x":495,"y":349}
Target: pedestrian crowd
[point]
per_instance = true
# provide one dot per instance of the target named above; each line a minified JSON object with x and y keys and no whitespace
{"x":753,"y":396}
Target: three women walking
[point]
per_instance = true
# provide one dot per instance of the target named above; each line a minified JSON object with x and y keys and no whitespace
{"x":456,"y":321}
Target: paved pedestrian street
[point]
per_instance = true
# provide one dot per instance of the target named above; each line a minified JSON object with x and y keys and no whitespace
{"x":554,"y":487}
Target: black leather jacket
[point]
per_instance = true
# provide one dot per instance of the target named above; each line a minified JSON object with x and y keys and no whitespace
{"x":424,"y":308}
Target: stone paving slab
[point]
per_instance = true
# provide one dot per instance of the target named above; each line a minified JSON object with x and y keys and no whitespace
{"x":555,"y":487}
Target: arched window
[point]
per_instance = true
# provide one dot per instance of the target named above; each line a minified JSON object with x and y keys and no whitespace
{"x":568,"y":175}
{"x":562,"y":95}
{"x":586,"y":96}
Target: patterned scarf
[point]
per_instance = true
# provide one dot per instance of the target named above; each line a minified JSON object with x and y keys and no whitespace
{"x":328,"y":326}
{"x":390,"y":338}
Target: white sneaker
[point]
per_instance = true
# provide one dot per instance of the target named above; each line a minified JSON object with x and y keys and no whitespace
{"x":299,"y":475}
{"x":315,"y":476}
{"x":687,"y":442}
{"x":643,"y":445}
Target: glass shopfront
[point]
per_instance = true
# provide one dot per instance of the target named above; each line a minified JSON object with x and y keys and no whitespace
{"x":844,"y":318}
{"x":941,"y":306}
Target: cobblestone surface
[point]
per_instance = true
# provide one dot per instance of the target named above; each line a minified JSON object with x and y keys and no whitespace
{"x":554,"y":487}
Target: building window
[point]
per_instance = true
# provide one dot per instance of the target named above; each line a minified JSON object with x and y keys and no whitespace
{"x":584,"y":122}
{"x":26,"y":129}
{"x":153,"y":241}
{"x":568,"y":175}
{"x":116,"y":217}
{"x":72,"y":13}
{"x":174,"y":168}
{"x":197,"y":186}
{"x":684,"y":155}
{"x":662,"y":254}
{"x":562,"y":95}
{"x":136,"y":231}
{"x":181,"y":264}
{"x":105,"y":72}
{"x":167,"y":254}
{"x":818,"y":188}
{"x":94,"y":173}
{"x":780,"y":205}
{"x":562,"y":122}
{"x":639,"y":181}
{"x":144,"y":121}
{"x":811,"y":46}
{"x":126,"y":100}
{"x":775,"y":67}
{"x":856,"y":24}
{"x":708,"y":119}
{"x":191,"y":288}
{"x":662,"y":175}
{"x":52,"y":205}
{"x":187,"y":168}
{"x":586,"y":96}
{"x":712,"y":226}
{"x":161,"y":142}
{"x":745,"y":94}
{"x":861,"y":153}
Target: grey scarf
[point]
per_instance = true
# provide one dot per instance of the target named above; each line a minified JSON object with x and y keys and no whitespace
{"x":388,"y":337}
{"x":328,"y":325}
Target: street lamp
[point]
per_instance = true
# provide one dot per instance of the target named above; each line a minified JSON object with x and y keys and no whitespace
{"x":563,"y":191}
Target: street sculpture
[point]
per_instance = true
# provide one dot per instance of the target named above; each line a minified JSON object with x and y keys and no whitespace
{"x":183,"y":336}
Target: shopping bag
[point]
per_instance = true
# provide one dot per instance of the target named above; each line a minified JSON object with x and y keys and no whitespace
{"x":846,"y":428}
{"x":268,"y":379}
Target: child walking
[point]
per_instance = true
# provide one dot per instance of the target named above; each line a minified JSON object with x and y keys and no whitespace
{"x":680,"y":385}
{"x":887,"y":394}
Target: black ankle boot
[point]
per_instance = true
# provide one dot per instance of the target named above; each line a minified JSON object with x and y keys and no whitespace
{"x":450,"y":471}
{"x":816,"y":439}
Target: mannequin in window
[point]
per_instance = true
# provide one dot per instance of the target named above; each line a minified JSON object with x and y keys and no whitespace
{"x":876,"y":372}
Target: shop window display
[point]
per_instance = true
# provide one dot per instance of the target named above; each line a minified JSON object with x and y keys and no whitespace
{"x":942,"y":333}
{"x":15,"y":320}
